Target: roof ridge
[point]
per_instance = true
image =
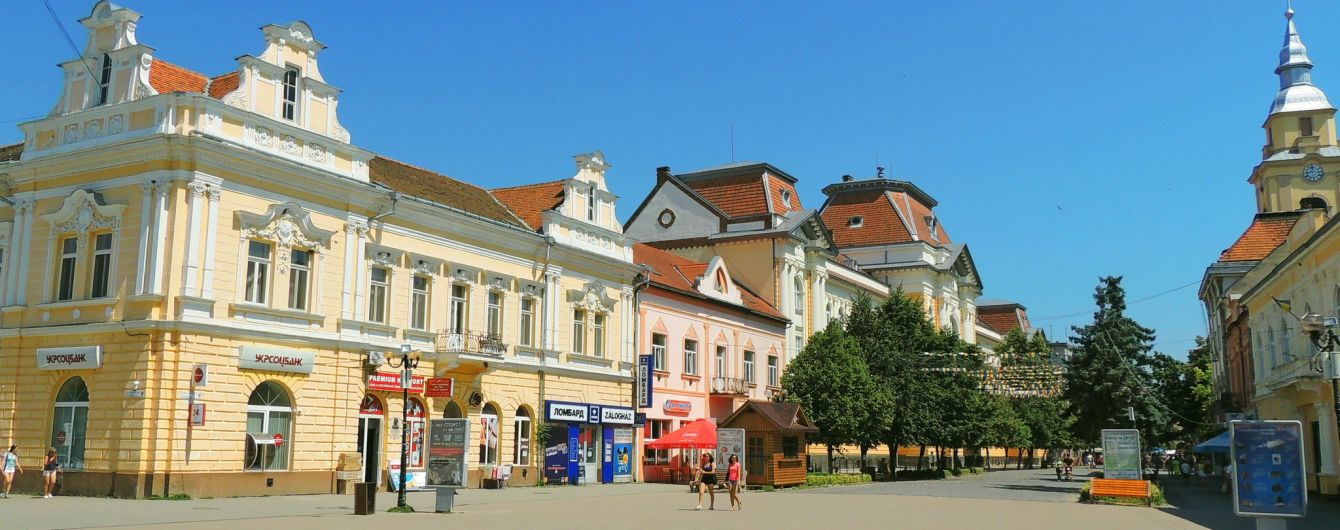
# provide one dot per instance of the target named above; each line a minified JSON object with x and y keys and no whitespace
{"x":532,"y":185}
{"x":180,"y":67}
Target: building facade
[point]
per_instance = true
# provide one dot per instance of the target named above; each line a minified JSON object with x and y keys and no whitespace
{"x":162,"y":223}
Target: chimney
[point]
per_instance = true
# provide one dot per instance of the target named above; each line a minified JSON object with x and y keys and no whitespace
{"x":662,"y":173}
{"x":847,"y":178}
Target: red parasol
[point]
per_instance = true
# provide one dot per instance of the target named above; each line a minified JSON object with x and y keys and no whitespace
{"x":700,"y":434}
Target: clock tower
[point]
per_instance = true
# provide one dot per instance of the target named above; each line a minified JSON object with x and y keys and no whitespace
{"x":1300,"y":165}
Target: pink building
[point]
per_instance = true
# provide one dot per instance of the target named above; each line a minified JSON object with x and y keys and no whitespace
{"x":715,"y":345}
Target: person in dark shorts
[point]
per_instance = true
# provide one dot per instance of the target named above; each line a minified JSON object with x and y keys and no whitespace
{"x":50,"y":468}
{"x":707,"y":481}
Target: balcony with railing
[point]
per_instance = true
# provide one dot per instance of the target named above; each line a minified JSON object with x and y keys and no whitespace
{"x":471,"y":342}
{"x":730,"y":386}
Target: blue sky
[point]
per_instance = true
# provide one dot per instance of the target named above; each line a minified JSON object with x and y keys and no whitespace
{"x":1064,"y":140}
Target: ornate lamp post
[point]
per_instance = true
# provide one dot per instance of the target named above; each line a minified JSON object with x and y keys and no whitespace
{"x":409,"y":360}
{"x":1319,"y":332}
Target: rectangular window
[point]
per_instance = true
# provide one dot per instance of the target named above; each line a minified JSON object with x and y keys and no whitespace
{"x":299,"y":278}
{"x":106,"y":81}
{"x":418,"y":303}
{"x":521,"y":426}
{"x":459,"y":298}
{"x":591,"y":205}
{"x":495,"y":314}
{"x":749,"y":366}
{"x":258,"y":272}
{"x":102,"y":266}
{"x":690,"y":356}
{"x":527,"y":334}
{"x":69,"y":255}
{"x":658,"y":351}
{"x":377,"y":286}
{"x":654,"y":430}
{"x":772,"y":370}
{"x":790,"y":446}
{"x":1305,"y":126}
{"x":800,"y":340}
{"x":598,"y":334}
{"x":290,"y":93}
{"x":721,"y":362}
{"x":579,"y":331}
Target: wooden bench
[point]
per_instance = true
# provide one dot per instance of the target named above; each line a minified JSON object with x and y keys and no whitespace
{"x":1110,"y":487}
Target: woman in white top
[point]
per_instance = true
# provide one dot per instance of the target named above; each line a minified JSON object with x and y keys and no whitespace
{"x":11,"y":466}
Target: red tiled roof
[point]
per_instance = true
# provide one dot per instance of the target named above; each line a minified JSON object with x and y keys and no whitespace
{"x":1003,"y":319}
{"x":419,"y":182}
{"x":737,"y":195}
{"x":775,"y":187}
{"x":166,"y":77}
{"x":530,"y":201}
{"x":220,"y":86}
{"x":1266,"y":233}
{"x":880,"y":224}
{"x":919,"y":216}
{"x":679,"y":273}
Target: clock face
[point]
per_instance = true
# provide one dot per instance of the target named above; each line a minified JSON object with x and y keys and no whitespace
{"x":1313,"y":173}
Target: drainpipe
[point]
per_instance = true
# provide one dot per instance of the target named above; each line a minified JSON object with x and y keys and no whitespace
{"x":640,"y":282}
{"x":395,"y":198}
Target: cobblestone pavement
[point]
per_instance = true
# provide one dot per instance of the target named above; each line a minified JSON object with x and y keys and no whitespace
{"x":1038,"y":485}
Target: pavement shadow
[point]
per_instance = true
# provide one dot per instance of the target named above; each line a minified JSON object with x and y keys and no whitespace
{"x":1208,"y":506}
{"x":1049,"y":489}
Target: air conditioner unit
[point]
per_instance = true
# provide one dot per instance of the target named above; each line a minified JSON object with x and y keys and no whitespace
{"x":376,"y":358}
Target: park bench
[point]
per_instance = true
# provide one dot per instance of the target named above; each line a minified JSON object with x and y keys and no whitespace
{"x":1110,"y":487}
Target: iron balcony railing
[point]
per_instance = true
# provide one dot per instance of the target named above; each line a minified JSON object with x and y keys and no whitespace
{"x":469,"y":342}
{"x":729,"y":385}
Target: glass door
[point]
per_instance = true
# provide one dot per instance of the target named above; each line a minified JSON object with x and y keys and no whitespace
{"x":369,"y":445}
{"x":589,"y":442}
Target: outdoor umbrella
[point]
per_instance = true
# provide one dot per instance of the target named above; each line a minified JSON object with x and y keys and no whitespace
{"x":1218,"y":444}
{"x":699,"y":434}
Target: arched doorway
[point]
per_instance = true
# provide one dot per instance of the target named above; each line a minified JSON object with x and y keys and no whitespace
{"x":70,"y":427}
{"x":371,"y":417}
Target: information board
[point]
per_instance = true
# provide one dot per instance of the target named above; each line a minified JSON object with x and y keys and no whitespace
{"x":1268,"y":469}
{"x":1121,"y":454}
{"x":448,"y":448}
{"x":729,"y":442}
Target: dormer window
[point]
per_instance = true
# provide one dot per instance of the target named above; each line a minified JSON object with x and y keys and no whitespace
{"x":591,"y":205}
{"x":786,"y":197}
{"x":1305,"y":126}
{"x":290,"y":93}
{"x":721,"y":281}
{"x":106,"y":81}
{"x":856,"y":221}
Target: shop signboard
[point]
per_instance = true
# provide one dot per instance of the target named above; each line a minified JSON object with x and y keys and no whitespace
{"x":1121,"y":454}
{"x":675,"y":406}
{"x":448,"y":449}
{"x":616,"y":415}
{"x":70,"y":358}
{"x":439,"y":387}
{"x":276,"y":360}
{"x":567,"y":412}
{"x":623,"y":454}
{"x":729,"y":442}
{"x":1268,"y":474}
{"x":413,"y":481}
{"x":644,"y":377}
{"x":391,"y":382}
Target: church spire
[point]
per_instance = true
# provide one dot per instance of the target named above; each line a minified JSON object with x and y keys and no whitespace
{"x":1297,"y":93}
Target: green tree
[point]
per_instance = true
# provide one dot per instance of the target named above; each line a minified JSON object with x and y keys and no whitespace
{"x":830,"y":380}
{"x":1110,"y":370}
{"x":1186,"y":389}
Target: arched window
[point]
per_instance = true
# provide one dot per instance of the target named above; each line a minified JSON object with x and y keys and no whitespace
{"x":721,"y":281}
{"x":70,"y":427}
{"x":1312,"y":203}
{"x":453,"y":411}
{"x":521,"y":431}
{"x":488,"y":439}
{"x":269,"y":427}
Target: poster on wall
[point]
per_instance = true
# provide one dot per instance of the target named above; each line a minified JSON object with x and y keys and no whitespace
{"x":1121,"y":454}
{"x":556,"y":457}
{"x":447,"y":451}
{"x":729,"y":442}
{"x":623,"y":455}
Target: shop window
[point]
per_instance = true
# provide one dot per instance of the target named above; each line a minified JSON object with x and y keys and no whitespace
{"x":488,"y":435}
{"x":105,"y":80}
{"x":521,"y":429}
{"x":579,"y":331}
{"x":378,"y":283}
{"x":418,"y":308}
{"x":453,"y":410}
{"x":269,"y":414}
{"x":299,"y":279}
{"x":459,"y":318}
{"x":415,"y":416}
{"x":790,"y":446}
{"x":654,"y":430}
{"x":495,"y":314}
{"x":69,"y":428}
{"x":598,"y":334}
{"x":69,"y":255}
{"x":748,"y":366}
{"x":690,"y":356}
{"x":102,"y":266}
{"x":527,"y":333}
{"x":258,"y":272}
{"x":772,"y":370}
{"x":290,"y":109}
{"x":658,"y":351}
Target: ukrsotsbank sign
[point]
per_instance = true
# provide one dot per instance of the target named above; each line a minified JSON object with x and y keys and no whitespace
{"x":275,"y":359}
{"x":70,"y":358}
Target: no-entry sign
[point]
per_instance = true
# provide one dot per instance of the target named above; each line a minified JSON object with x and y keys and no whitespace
{"x":279,"y":440}
{"x":200,"y":376}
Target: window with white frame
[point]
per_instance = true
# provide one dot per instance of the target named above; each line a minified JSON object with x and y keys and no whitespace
{"x":578,"y":331}
{"x":460,"y":316}
{"x":748,"y":366}
{"x":257,"y":286}
{"x":269,"y":414}
{"x":69,"y":257}
{"x":658,"y":351}
{"x":526,"y":336}
{"x":598,"y":334}
{"x":290,"y":109}
{"x":495,"y":314}
{"x":690,"y":356}
{"x":299,"y":279}
{"x":654,"y":430}
{"x":105,"y":81}
{"x":378,"y":284}
{"x":591,"y":205}
{"x":418,"y":303}
{"x":772,"y":370}
{"x":720,"y":362}
{"x":100,"y":282}
{"x":521,"y":431}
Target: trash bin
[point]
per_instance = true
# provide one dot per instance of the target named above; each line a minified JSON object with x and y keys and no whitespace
{"x":365,"y":498}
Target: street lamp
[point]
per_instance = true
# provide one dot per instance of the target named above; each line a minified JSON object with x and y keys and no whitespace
{"x":1319,"y":332}
{"x":409,"y":360}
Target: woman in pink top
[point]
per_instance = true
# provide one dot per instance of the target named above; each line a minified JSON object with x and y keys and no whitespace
{"x":733,"y":478}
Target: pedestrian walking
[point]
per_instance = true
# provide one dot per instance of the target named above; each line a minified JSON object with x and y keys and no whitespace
{"x":1186,"y":471}
{"x":733,"y":478}
{"x":11,"y":467}
{"x":707,"y":482}
{"x":50,"y":468}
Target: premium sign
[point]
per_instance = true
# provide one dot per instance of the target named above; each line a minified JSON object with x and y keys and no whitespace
{"x":1121,"y":454}
{"x":561,"y":411}
{"x":385,"y":381}
{"x":617,"y":415}
{"x":70,"y":358}
{"x":277,"y":360}
{"x":644,"y":363}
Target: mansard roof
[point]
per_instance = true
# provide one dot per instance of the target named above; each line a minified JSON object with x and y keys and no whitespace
{"x":1266,"y":233}
{"x":745,"y":189}
{"x":889,"y":212}
{"x":425,"y":184}
{"x":530,"y":201}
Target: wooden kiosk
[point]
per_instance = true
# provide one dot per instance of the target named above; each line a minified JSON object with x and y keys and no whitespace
{"x":774,"y":441}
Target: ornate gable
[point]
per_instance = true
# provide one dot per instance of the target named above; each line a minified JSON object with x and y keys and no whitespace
{"x":289,"y":226}
{"x":592,"y":297}
{"x":83,"y":213}
{"x":717,"y":282}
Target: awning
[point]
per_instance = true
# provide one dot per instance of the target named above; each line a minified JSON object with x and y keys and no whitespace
{"x":1218,"y":444}
{"x":699,"y":434}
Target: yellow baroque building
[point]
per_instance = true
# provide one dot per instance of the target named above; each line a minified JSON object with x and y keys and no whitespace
{"x":160,"y":223}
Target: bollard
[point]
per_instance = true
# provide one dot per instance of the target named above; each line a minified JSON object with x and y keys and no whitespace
{"x":446,"y":499}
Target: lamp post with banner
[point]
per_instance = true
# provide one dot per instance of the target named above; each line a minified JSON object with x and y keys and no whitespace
{"x":409,"y":360}
{"x":1320,"y":331}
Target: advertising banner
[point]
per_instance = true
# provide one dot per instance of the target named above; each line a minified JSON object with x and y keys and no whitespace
{"x":623,"y":455}
{"x":556,"y":457}
{"x":413,"y":481}
{"x":644,"y":378}
{"x":1268,"y":474}
{"x":448,"y":448}
{"x":1121,"y":454}
{"x":729,"y":442}
{"x":391,"y":382}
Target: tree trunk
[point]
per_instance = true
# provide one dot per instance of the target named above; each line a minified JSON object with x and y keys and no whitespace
{"x":864,"y":449}
{"x":987,"y":463}
{"x":830,"y":458}
{"x":957,"y":463}
{"x":893,"y":462}
{"x":921,"y":458}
